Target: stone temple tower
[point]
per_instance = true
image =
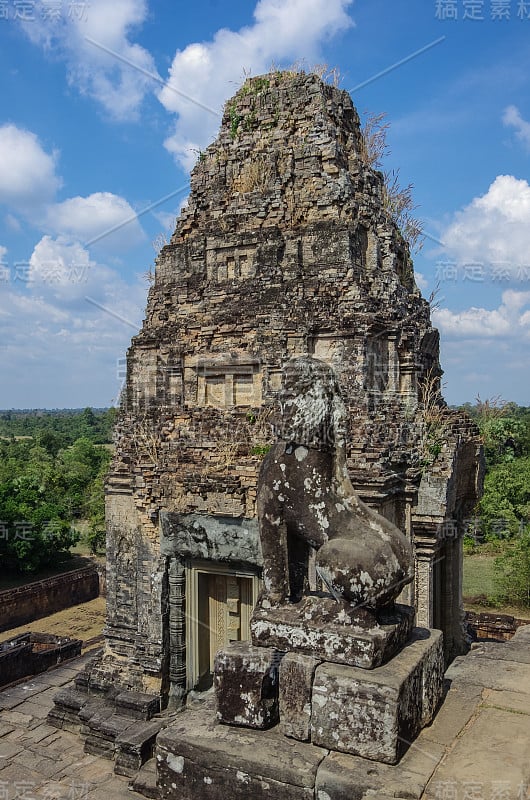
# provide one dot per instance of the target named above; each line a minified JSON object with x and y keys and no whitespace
{"x":286,"y":247}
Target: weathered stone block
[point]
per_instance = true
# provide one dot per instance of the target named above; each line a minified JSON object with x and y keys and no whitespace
{"x":62,"y":718}
{"x":144,"y":782}
{"x":377,"y":714}
{"x":432,"y":666}
{"x":296,"y":683}
{"x":246,"y":685}
{"x":216,"y":538}
{"x":81,"y":680}
{"x":102,"y":730}
{"x":135,"y":746}
{"x":137,"y":705}
{"x":92,"y":707}
{"x":197,"y":758}
{"x":346,"y":777}
{"x":333,"y":631}
{"x":99,"y":746}
{"x":187,"y":780}
{"x":70,"y":698}
{"x":67,"y":704}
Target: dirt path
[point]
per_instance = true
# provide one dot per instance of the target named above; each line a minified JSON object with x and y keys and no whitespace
{"x":84,"y":622}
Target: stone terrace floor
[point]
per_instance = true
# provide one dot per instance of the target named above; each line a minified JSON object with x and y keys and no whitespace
{"x":477,"y":748}
{"x":40,"y":761}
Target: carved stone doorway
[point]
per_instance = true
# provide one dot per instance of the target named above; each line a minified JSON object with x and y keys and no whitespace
{"x":219,"y":604}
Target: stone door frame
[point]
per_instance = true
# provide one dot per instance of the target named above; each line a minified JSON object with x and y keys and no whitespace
{"x":229,"y":544}
{"x":193,"y":570}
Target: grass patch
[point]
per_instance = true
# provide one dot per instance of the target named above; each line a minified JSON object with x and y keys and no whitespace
{"x":478,"y":585}
{"x":84,"y":622}
{"x":479,"y":572}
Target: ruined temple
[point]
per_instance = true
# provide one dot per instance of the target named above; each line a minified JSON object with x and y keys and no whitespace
{"x":287,"y":246}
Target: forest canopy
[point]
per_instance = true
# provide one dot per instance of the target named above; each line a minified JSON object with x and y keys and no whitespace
{"x":52,"y":470}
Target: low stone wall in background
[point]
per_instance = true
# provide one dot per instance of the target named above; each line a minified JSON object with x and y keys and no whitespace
{"x":31,"y":653}
{"x":492,"y":627}
{"x":36,"y":600}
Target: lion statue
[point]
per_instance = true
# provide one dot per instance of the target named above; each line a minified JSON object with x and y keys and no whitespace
{"x":306,"y":500}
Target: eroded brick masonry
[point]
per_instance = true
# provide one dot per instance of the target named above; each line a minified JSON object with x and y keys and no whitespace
{"x":286,"y":246}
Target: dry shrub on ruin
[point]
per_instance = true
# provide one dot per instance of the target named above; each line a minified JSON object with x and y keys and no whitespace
{"x":255,"y":176}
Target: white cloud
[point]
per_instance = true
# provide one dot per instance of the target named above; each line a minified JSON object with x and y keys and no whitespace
{"x":12,"y":222}
{"x":481,"y":323}
{"x":283,"y":30}
{"x":119,"y":82}
{"x":494,"y":229}
{"x":167,"y":219}
{"x":102,"y":219}
{"x":3,"y":253}
{"x":28,"y":183}
{"x":62,"y":271}
{"x":512,"y":119}
{"x":27,"y":172}
{"x":58,"y":348}
{"x":421,"y":281}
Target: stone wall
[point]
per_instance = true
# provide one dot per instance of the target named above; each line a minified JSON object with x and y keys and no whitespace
{"x":486,"y":627}
{"x":41,"y":598}
{"x":31,"y":653}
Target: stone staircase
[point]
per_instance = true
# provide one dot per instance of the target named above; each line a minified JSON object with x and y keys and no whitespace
{"x":120,"y":726}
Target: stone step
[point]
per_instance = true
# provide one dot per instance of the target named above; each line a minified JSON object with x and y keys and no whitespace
{"x":136,"y":746}
{"x":81,"y":681}
{"x":91,"y":707}
{"x":145,"y":781}
{"x":96,"y":746}
{"x":101,"y":731}
{"x":137,"y":705}
{"x":68,"y":702}
{"x":198,"y":758}
{"x":71,"y":698}
{"x":109,"y":725}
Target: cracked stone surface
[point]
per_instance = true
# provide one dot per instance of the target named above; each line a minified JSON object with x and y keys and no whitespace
{"x":479,"y":740}
{"x":42,"y":762}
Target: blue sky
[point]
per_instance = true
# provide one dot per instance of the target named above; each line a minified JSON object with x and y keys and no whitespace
{"x":105,"y":105}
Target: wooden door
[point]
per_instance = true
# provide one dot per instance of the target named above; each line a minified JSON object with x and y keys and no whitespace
{"x":230,"y":606}
{"x":219,"y":613}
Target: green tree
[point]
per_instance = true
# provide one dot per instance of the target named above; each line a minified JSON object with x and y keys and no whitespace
{"x":505,"y":429}
{"x":96,"y":509}
{"x":67,"y":424}
{"x":51,"y":441}
{"x":35,"y":528}
{"x":77,"y":467}
{"x":52,"y":467}
{"x":39,"y":497}
{"x":505,"y":505}
{"x":513,"y":572}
